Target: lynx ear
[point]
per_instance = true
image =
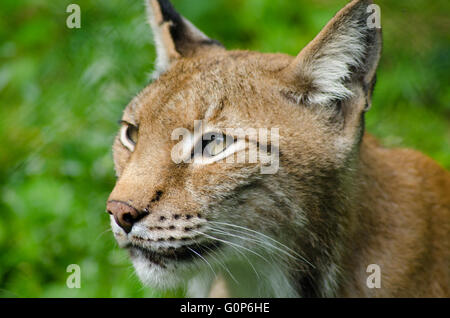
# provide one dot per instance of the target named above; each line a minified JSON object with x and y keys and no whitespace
{"x":345,"y":52}
{"x":174,"y":36}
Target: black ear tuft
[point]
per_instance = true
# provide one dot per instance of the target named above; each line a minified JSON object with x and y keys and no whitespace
{"x":169,"y":14}
{"x":180,"y":28}
{"x":174,"y":35}
{"x":168,"y":11}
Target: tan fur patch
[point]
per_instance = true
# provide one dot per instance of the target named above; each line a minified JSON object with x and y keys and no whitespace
{"x":338,"y":202}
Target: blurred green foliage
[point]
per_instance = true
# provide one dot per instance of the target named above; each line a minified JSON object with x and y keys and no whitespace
{"x":62,"y":91}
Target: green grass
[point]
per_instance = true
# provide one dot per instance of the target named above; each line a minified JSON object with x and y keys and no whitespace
{"x":62,"y":91}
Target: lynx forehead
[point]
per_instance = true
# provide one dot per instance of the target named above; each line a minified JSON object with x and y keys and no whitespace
{"x":336,"y":202}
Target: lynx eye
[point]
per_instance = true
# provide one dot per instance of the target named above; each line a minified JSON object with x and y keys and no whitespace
{"x":214,"y":144}
{"x":128,"y":135}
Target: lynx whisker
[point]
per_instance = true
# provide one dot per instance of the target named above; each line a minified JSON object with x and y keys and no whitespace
{"x":213,"y":254}
{"x":103,"y":233}
{"x":255,"y":239}
{"x":235,"y":247}
{"x":231,"y":244}
{"x":204,"y":259}
{"x":258,"y":241}
{"x":283,"y":248}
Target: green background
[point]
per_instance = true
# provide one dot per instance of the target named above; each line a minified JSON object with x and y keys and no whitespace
{"x":62,"y":91}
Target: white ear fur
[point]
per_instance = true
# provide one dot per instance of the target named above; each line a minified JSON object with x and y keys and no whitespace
{"x":162,"y":56}
{"x":347,"y":48}
{"x":165,"y":48}
{"x":330,"y":70}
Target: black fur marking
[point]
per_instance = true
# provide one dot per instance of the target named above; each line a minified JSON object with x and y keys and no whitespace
{"x":157,"y":196}
{"x":178,"y":27}
{"x":211,"y":42}
{"x":169,"y":14}
{"x":168,"y":11}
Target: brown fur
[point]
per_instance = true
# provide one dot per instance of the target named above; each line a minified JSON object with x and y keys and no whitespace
{"x":340,"y":200}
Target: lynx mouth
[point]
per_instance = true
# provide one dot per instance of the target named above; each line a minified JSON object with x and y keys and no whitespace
{"x":184,"y":253}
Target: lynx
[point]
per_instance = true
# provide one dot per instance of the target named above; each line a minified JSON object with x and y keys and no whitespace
{"x":338,"y":203}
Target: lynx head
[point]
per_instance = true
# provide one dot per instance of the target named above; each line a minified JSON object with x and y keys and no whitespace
{"x":179,"y":216}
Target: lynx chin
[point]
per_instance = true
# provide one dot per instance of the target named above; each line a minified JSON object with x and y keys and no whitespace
{"x":337,"y":202}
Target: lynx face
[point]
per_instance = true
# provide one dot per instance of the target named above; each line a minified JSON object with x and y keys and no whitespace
{"x":177,"y":219}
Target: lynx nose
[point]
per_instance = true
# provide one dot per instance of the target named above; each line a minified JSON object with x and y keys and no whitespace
{"x":124,"y":214}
